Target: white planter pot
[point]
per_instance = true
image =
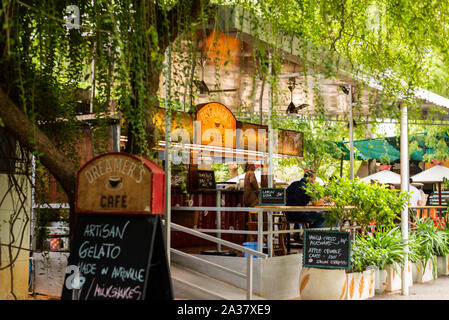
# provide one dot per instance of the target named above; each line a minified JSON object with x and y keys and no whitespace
{"x":410,"y":273}
{"x":414,"y":272}
{"x":322,"y":284}
{"x":390,"y":278}
{"x":423,"y":273}
{"x":443,"y":265}
{"x":361,"y":285}
{"x":394,"y":277}
{"x":380,"y":280}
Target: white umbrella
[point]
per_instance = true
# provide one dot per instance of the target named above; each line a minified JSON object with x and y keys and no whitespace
{"x":384,"y":176}
{"x":433,"y":175}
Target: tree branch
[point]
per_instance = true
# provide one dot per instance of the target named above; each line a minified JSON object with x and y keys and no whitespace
{"x":18,"y":124}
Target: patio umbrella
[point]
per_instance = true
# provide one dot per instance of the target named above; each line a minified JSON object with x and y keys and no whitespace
{"x":433,"y":175}
{"x":384,"y":177}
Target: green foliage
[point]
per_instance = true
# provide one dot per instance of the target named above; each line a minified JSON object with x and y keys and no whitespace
{"x":360,"y":202}
{"x":429,"y":241}
{"x":384,"y":247}
{"x":385,"y":159}
{"x":45,"y":64}
{"x":432,"y":239}
{"x":320,"y":154}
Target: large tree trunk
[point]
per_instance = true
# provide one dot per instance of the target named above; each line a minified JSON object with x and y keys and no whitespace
{"x":64,"y":170}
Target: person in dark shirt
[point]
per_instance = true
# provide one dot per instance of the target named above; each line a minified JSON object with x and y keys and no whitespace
{"x":296,"y":196}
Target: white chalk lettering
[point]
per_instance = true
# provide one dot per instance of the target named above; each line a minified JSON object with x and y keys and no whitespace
{"x":130,"y":273}
{"x":105,"y":230}
{"x":98,"y":251}
{"x":116,"y":292}
{"x":87,"y":268}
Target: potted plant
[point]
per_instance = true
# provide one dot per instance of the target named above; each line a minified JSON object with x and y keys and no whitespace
{"x":383,"y":251}
{"x":360,"y":278}
{"x":427,"y":243}
{"x":443,"y":251}
{"x":385,"y":162}
{"x":363,"y":204}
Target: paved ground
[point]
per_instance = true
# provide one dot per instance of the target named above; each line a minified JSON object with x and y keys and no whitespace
{"x":437,"y":289}
{"x":433,"y":290}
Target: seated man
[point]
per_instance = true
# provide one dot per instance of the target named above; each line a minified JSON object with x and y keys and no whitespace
{"x":296,"y":196}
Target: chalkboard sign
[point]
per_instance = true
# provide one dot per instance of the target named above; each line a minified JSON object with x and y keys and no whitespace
{"x":117,"y":257}
{"x":206,"y":179}
{"x":272,"y":196}
{"x":326,"y":249}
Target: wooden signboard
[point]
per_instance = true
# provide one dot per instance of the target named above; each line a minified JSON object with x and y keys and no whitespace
{"x":272,"y":197}
{"x":118,"y":251}
{"x":290,"y":143}
{"x":119,"y":257}
{"x":206,"y":179}
{"x":179,"y":121}
{"x":215,"y":120}
{"x":327,"y":249}
{"x":252,"y":136}
{"x":119,"y":182}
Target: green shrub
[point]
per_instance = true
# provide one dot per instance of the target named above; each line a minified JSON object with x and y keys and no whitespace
{"x":427,"y":241}
{"x":380,"y":249}
{"x":369,"y":202}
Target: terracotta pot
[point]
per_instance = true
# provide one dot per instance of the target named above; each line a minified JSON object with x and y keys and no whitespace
{"x":385,"y":166}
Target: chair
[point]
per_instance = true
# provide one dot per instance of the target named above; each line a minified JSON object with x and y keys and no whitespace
{"x":280,"y":249}
{"x":304,"y":225}
{"x":251,"y":224}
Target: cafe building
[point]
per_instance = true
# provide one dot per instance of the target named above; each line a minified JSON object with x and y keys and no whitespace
{"x":241,"y":102}
{"x":224,"y":115}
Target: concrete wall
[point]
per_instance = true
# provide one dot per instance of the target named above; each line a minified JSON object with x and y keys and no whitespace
{"x":273,"y":278}
{"x":14,"y":281}
{"x":49,"y":272}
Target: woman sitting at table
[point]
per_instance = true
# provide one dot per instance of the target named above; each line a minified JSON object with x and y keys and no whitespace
{"x":296,"y":196}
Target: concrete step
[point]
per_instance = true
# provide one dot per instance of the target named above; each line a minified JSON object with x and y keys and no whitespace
{"x":192,"y":285}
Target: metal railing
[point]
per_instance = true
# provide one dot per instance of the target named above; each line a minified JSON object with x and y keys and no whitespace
{"x":270,"y":211}
{"x":249,"y":253}
{"x":260,"y":233}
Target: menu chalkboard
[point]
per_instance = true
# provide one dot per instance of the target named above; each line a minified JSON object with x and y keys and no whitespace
{"x":206,"y":179}
{"x":117,"y":257}
{"x":326,"y":249}
{"x":272,"y":196}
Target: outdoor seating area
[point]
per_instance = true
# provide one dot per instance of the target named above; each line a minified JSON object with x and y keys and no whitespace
{"x":194,"y":150}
